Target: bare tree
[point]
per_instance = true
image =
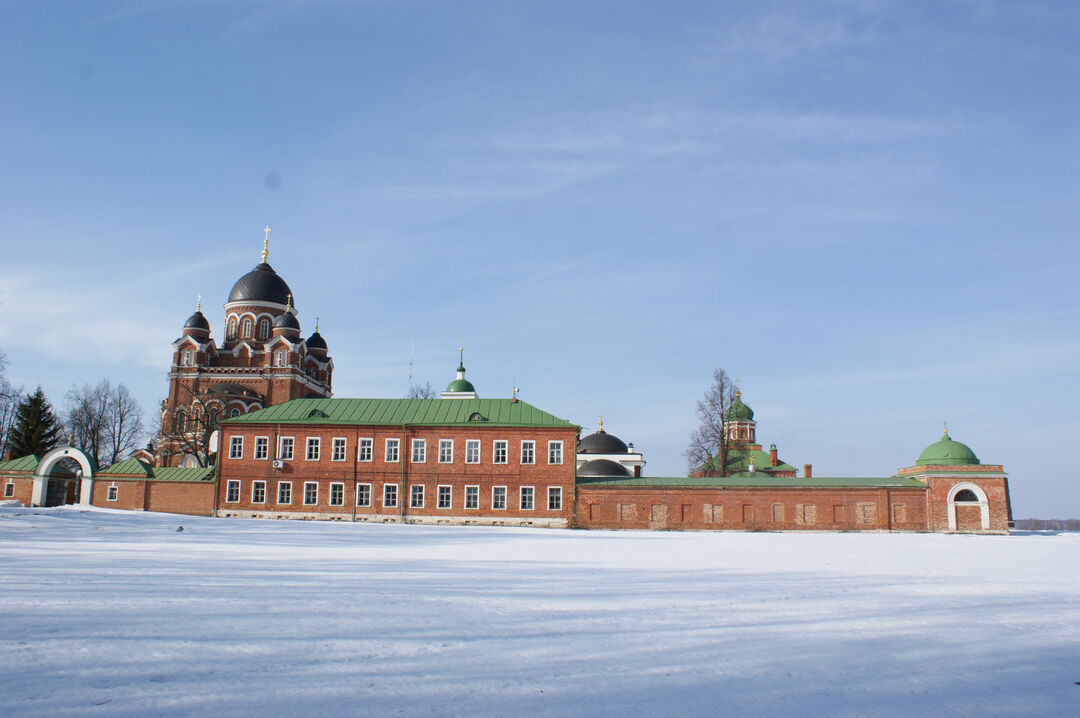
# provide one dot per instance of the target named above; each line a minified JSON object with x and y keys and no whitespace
{"x":10,"y":398}
{"x":103,"y":421}
{"x":186,"y":430}
{"x":422,"y":392}
{"x":123,"y":429}
{"x":709,"y":442}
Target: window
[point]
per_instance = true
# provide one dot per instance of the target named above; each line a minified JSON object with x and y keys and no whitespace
{"x":232,"y":492}
{"x":416,"y":497}
{"x":338,"y":453}
{"x":444,"y":497}
{"x":527,"y":498}
{"x":247,"y":328}
{"x":528,"y":452}
{"x":392,"y":450}
{"x":281,"y":357}
{"x":236,"y":447}
{"x":965,"y":496}
{"x":419,"y":451}
{"x":554,"y":498}
{"x":363,"y":494}
{"x":363,"y":452}
{"x":472,"y":497}
{"x":234,"y":413}
{"x":337,"y":494}
{"x":446,"y":451}
{"x":264,"y":328}
{"x":554,"y":452}
{"x":112,"y":494}
{"x":498,"y":497}
{"x":311,"y":493}
{"x":285,"y":448}
{"x":472,"y":451}
{"x":262,"y":447}
{"x":231,"y":334}
{"x":9,"y":490}
{"x":258,"y":492}
{"x":499,"y":453}
{"x":187,"y":357}
{"x":389,"y":495}
{"x":181,"y":422}
{"x":312,"y":449}
{"x":284,"y":492}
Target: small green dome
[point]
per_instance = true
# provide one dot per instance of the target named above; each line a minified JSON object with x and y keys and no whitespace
{"x":460,"y":385}
{"x":947,"y":452}
{"x":739,"y":411}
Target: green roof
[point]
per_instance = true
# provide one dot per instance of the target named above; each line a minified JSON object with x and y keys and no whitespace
{"x":948,"y":453}
{"x":161,"y":473}
{"x":757,"y":479}
{"x":23,"y":463}
{"x":739,"y":411}
{"x":128,"y":466}
{"x":395,"y":412}
{"x":738,"y":460}
{"x":460,"y":385}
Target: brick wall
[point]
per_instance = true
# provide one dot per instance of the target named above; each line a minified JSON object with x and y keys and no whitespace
{"x":22,"y":488}
{"x":968,"y":517}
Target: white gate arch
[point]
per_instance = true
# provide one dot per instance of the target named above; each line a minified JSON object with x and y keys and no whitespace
{"x":984,"y":504}
{"x":45,"y":467}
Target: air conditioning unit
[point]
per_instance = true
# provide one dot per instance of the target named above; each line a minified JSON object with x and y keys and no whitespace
{"x":278,"y":464}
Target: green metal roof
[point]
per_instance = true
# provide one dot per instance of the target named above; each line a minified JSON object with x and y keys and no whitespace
{"x":757,"y":479}
{"x":128,"y":466}
{"x":947,"y":452}
{"x":738,"y":460}
{"x":23,"y":463}
{"x":395,"y":412}
{"x":140,"y":469}
{"x":460,"y":385}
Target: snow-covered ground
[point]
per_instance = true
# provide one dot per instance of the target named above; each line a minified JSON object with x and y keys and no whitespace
{"x":111,"y":613}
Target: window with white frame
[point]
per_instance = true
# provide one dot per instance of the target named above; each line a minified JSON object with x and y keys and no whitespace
{"x":554,"y":452}
{"x":234,"y":413}
{"x":312,"y":453}
{"x":311,"y":493}
{"x":444,"y":497}
{"x":232,"y":492}
{"x":446,"y":451}
{"x":528,"y":452}
{"x":231,"y":333}
{"x":363,"y":450}
{"x":281,"y":357}
{"x":419,"y":451}
{"x":338,"y":450}
{"x":554,"y":498}
{"x":363,"y":494}
{"x":9,"y":489}
{"x":264,"y":328}
{"x":187,"y":357}
{"x":472,"y":451}
{"x":112,"y":494}
{"x":416,"y":496}
{"x":389,"y":495}
{"x":498,"y":497}
{"x":472,"y":497}
{"x":284,"y":492}
{"x":262,"y":447}
{"x":258,"y":492}
{"x":498,"y":453}
{"x":247,"y":328}
{"x":393,"y":446}
{"x":527,"y":494}
{"x":285,"y":448}
{"x":337,"y":494}
{"x":236,"y":447}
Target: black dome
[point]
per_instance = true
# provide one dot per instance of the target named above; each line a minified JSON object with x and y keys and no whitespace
{"x":197,"y":321}
{"x":602,"y":443}
{"x":288,"y":321}
{"x":602,"y":467}
{"x":261,"y":284}
{"x":315,"y":341}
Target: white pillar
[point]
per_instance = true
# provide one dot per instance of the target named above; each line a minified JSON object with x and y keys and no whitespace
{"x":37,"y":497}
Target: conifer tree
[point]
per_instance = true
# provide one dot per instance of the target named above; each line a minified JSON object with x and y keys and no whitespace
{"x":36,"y":429}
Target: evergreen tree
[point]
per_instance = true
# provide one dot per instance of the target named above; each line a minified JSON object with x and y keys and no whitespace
{"x":36,"y":429}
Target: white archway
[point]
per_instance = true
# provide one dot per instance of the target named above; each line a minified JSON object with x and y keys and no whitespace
{"x":48,"y":462}
{"x":984,"y":504}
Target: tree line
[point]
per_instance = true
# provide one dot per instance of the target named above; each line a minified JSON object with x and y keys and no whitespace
{"x":102,"y":420}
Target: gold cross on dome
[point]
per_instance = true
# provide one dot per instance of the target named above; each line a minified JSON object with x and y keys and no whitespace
{"x":198,"y":303}
{"x":266,"y":244}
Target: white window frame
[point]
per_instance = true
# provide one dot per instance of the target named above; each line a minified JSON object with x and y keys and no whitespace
{"x":470,"y":446}
{"x":394,"y":444}
{"x":113,"y":494}
{"x":281,"y":358}
{"x":263,"y":443}
{"x":496,"y":491}
{"x":247,"y":328}
{"x":289,"y":441}
{"x":446,"y":451}
{"x":360,"y":490}
{"x":388,"y":489}
{"x":532,"y":452}
{"x":558,"y":494}
{"x":531,"y":493}
{"x":312,"y":442}
{"x":288,"y":487}
{"x":418,"y":447}
{"x":444,"y":490}
{"x":335,"y":443}
{"x":316,"y":501}
{"x":340,"y":487}
{"x":472,"y":492}
{"x":232,"y":488}
{"x":255,"y":485}
{"x":236,"y":447}
{"x":9,"y":489}
{"x":365,"y":445}
{"x":414,"y":494}
{"x":505,"y":447}
{"x":187,"y":357}
{"x":555,"y":450}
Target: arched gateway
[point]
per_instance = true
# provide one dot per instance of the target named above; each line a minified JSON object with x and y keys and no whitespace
{"x":48,"y":464}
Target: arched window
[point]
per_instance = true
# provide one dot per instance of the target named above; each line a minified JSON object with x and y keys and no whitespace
{"x":234,"y":413}
{"x":280,"y":358}
{"x":231,"y":334}
{"x":181,"y":422}
{"x":187,"y":357}
{"x":264,"y":328}
{"x":965,"y":496}
{"x":247,"y":328}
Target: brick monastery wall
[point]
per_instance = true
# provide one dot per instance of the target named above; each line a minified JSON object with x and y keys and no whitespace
{"x":968,"y":517}
{"x":172,"y":497}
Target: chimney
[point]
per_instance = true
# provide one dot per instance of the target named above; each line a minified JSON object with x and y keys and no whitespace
{"x":773,"y":461}
{"x":806,"y":470}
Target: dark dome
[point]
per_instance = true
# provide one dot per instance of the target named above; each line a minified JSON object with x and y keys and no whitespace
{"x":315,"y":341}
{"x":261,"y":284}
{"x":287,"y":320}
{"x":602,"y":467}
{"x":197,"y":321}
{"x":602,"y":443}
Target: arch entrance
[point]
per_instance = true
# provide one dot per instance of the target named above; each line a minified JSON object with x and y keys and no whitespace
{"x":62,"y":474}
{"x":969,"y":509}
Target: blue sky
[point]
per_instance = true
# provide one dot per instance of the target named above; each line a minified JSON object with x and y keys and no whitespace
{"x":866,"y":212}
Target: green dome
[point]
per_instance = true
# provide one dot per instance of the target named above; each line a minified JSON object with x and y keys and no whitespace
{"x":948,"y":453}
{"x":739,"y":411}
{"x":460,"y":385}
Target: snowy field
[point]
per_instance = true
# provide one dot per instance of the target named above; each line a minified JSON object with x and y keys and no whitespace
{"x":116,"y":614}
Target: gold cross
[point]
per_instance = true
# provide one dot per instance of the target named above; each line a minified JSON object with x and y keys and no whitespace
{"x":266,"y":244}
{"x":198,"y":304}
